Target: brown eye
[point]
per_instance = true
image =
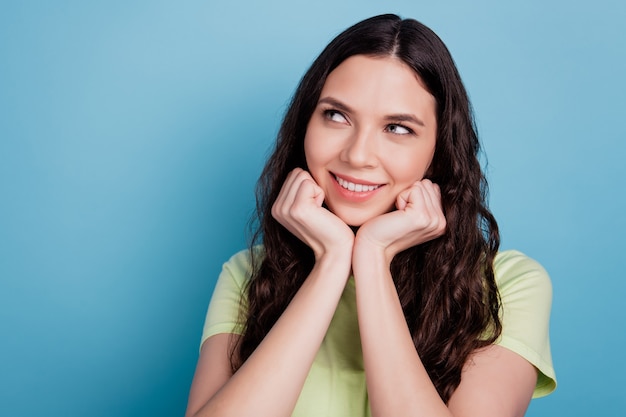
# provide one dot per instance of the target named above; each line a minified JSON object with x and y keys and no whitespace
{"x":334,"y":116}
{"x":399,"y":130}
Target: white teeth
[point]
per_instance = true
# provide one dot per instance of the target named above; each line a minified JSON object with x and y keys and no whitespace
{"x":359,"y":188}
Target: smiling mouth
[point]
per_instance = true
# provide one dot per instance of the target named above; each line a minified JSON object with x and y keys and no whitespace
{"x":358,"y":188}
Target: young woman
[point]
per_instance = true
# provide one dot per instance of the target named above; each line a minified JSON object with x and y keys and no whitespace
{"x":374,"y":285}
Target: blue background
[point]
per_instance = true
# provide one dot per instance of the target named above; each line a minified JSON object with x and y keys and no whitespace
{"x":132,"y":133}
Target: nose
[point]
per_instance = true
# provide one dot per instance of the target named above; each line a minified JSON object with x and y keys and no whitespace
{"x":360,"y":150}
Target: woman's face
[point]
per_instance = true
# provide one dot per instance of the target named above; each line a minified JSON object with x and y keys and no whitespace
{"x":371,"y":136}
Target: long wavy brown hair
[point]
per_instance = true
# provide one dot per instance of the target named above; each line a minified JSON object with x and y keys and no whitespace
{"x":446,"y":286}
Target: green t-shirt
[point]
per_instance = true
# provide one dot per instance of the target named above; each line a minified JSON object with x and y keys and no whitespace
{"x":336,"y":385}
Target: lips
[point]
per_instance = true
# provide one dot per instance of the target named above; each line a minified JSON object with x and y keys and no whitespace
{"x":354,"y":186}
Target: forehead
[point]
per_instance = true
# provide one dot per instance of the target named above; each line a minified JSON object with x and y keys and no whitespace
{"x":385,"y":83}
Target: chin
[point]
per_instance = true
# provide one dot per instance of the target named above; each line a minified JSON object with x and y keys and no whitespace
{"x":356,"y":216}
{"x":355,"y":221}
{"x":355,"y":225}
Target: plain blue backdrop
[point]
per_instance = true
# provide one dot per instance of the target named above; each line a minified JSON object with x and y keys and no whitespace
{"x":132,"y":133}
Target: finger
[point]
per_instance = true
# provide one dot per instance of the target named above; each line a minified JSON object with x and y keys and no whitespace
{"x":435,"y":207}
{"x":319,"y":195}
{"x":284,"y":190}
{"x":425,"y":208}
{"x":434,"y":197}
{"x":431,"y":202}
{"x":290,"y":188}
{"x":403,"y":199}
{"x":285,"y":197}
{"x":431,"y":194}
{"x":416,"y":196}
{"x":308,"y":192}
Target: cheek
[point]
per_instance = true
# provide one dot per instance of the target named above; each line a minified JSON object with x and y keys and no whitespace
{"x":410,"y":167}
{"x":425,"y":168}
{"x":310,"y":155}
{"x":316,"y":151}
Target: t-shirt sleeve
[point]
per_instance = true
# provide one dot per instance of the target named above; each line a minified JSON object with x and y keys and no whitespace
{"x":526,"y":296}
{"x":223,"y":312}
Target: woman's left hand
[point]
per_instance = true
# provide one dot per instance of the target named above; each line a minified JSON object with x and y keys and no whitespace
{"x":419,"y":218}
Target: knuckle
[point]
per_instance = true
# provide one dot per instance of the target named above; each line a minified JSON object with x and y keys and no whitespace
{"x":296,"y":212}
{"x":420,"y":221}
{"x":302,"y":175}
{"x":442,"y":225}
{"x":275,"y":211}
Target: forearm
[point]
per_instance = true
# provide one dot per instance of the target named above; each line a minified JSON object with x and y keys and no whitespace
{"x":397,"y":381}
{"x":270,"y":381}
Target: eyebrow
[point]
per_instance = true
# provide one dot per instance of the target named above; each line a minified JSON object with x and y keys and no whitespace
{"x":398,"y":117}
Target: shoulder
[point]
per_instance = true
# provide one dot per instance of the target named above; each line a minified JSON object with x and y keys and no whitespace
{"x":223,"y":314}
{"x":525,"y":290}
{"x":526,"y":300}
{"x":239,"y":267}
{"x":515,"y":272}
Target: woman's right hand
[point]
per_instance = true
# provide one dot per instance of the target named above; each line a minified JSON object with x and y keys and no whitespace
{"x":271,"y":379}
{"x":299,"y":209}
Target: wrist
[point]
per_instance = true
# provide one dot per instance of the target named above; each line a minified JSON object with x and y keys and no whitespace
{"x":335,"y":259}
{"x":370,"y":258}
{"x":369,"y":250}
